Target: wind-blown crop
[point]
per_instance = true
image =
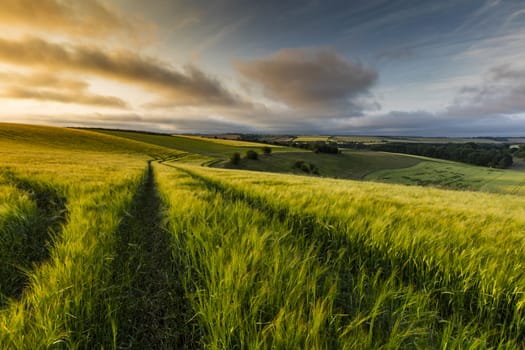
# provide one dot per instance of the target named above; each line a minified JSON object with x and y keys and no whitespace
{"x":462,"y":260}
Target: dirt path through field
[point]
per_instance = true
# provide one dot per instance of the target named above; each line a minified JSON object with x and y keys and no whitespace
{"x":152,"y":311}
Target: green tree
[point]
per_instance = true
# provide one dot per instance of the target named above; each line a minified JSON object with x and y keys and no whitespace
{"x":235,"y":158}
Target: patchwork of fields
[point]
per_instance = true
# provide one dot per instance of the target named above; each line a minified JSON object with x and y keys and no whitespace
{"x":125,"y":241}
{"x":350,"y":164}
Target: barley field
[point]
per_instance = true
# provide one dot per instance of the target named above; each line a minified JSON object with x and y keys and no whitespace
{"x":112,"y":243}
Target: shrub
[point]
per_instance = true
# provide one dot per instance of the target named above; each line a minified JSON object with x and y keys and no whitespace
{"x":324,"y":147}
{"x":489,"y":155}
{"x":298,"y":164}
{"x":307,"y":168}
{"x":267,"y":150}
{"x":235,"y":158}
{"x":252,"y":155}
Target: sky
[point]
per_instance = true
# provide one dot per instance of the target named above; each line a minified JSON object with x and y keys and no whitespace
{"x":374,"y":67}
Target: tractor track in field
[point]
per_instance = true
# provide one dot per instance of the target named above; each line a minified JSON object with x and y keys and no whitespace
{"x":34,"y":237}
{"x":152,"y":311}
{"x":310,"y":227}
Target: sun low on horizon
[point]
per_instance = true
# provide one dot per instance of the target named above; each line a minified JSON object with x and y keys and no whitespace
{"x":425,"y":68}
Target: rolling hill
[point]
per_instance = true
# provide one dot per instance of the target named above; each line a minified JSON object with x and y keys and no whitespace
{"x":351,"y":164}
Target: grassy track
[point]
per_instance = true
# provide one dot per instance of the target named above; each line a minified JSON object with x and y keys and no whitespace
{"x":353,"y":306}
{"x":252,"y":283}
{"x":152,"y":309}
{"x":64,"y":304}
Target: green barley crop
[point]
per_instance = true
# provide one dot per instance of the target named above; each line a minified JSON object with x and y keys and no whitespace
{"x":259,"y":281}
{"x":18,"y":217}
{"x":68,"y":299}
{"x":100,"y":250}
{"x":465,"y":260}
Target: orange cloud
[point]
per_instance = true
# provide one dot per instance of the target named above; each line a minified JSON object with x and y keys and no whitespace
{"x":189,"y":87}
{"x":45,"y":87}
{"x":71,"y":17}
{"x":17,"y":92}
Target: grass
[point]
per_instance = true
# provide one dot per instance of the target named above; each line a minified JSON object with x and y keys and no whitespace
{"x":261,"y":281}
{"x":351,"y":164}
{"x":18,"y":214}
{"x":247,"y":277}
{"x":456,"y":176}
{"x":66,"y":301}
{"x":191,"y":144}
{"x":348,"y":165}
{"x":153,"y":312}
{"x":32,"y":213}
{"x":34,"y":137}
{"x":451,"y":257}
{"x":164,"y":254}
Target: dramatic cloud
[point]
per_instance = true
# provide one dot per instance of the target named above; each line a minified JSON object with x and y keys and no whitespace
{"x":494,"y":107}
{"x":501,"y":92}
{"x":41,"y":79}
{"x":80,"y":18}
{"x":422,"y":123}
{"x":46,"y":87}
{"x":63,"y":97}
{"x":200,"y":124}
{"x":190,"y":87}
{"x":308,"y":79}
{"x":121,"y":63}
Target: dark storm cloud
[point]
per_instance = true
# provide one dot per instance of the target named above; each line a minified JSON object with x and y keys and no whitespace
{"x":309,"y":79}
{"x":189,"y":87}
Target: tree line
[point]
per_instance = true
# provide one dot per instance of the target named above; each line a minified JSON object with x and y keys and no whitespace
{"x":482,"y":154}
{"x":490,"y":155}
{"x":318,"y":146}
